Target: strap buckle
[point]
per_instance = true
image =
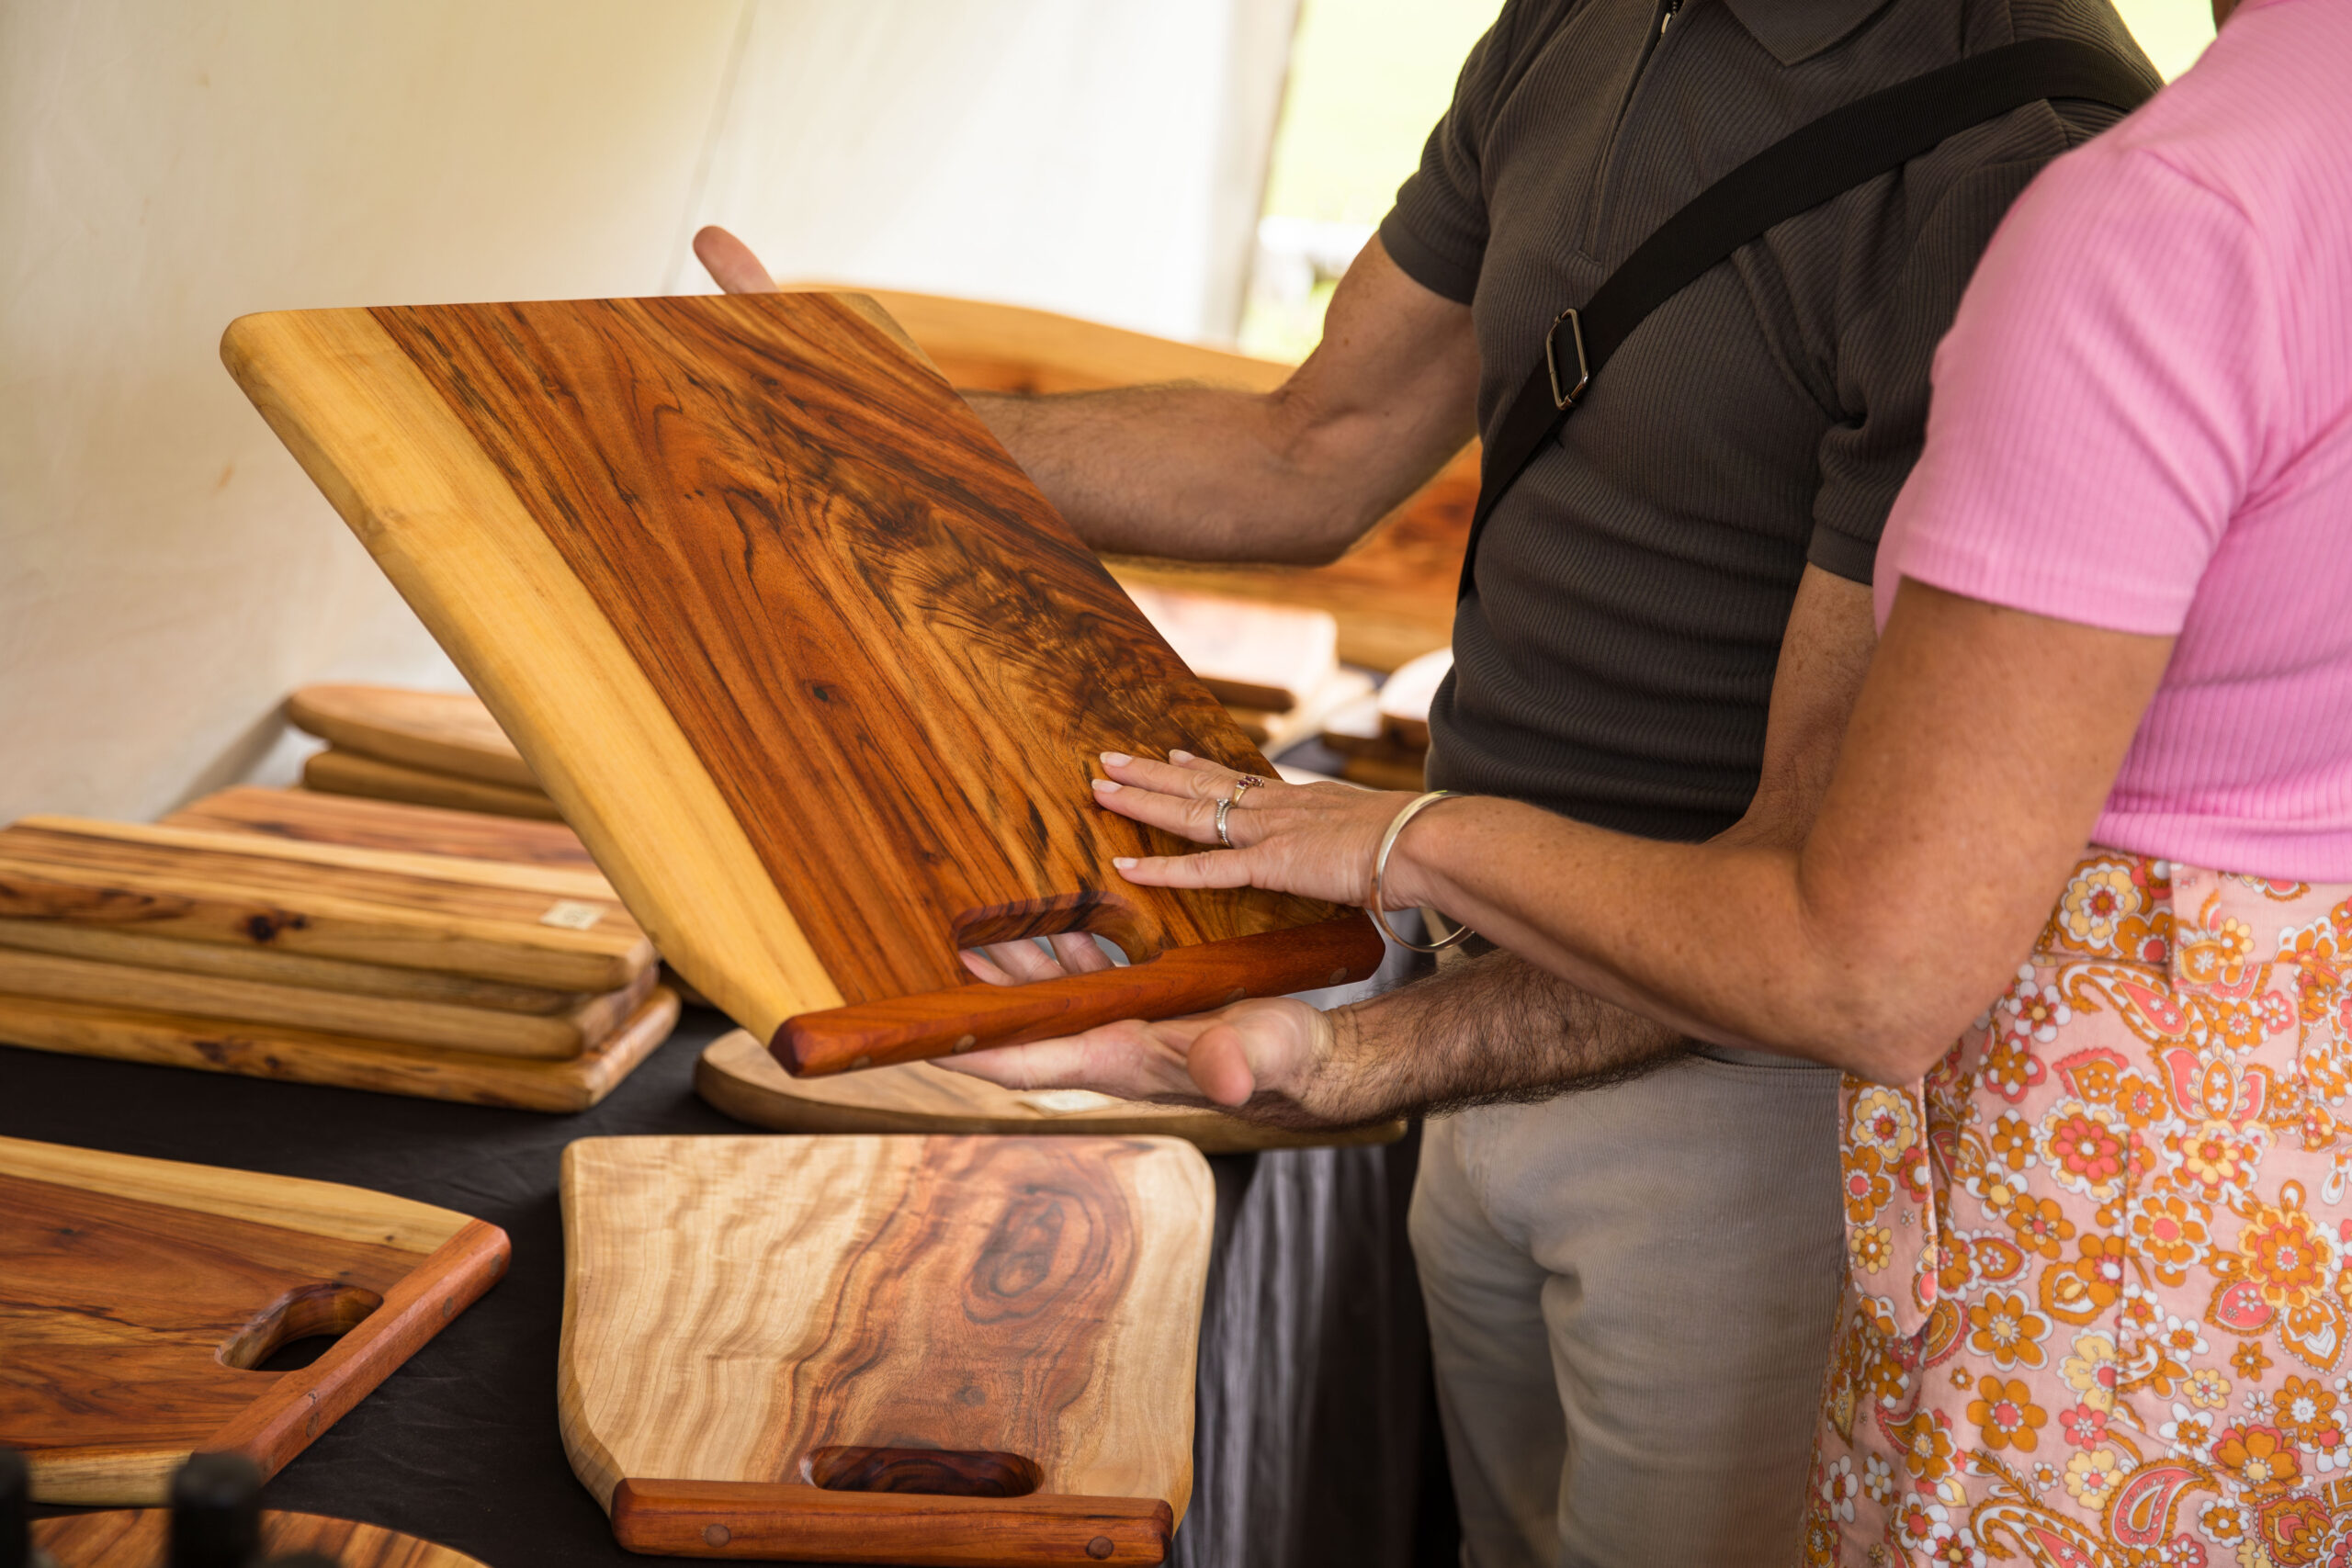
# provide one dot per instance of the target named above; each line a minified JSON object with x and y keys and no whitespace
{"x":1574,"y":323}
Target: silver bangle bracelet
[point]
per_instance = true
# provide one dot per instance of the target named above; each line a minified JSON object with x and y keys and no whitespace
{"x":1380,"y":869}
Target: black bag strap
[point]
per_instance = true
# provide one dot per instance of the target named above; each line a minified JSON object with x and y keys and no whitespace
{"x":1810,"y":165}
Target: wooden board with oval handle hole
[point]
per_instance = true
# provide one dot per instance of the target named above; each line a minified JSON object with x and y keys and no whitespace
{"x":797,"y":648}
{"x":202,"y":1273}
{"x":927,"y":1351}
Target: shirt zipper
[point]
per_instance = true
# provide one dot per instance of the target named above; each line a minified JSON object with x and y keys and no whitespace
{"x":1596,"y":203}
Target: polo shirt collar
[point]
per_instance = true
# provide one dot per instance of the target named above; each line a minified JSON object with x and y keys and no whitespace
{"x":1796,"y":30}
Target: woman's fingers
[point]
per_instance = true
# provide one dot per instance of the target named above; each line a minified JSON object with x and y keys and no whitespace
{"x":1194,"y":818}
{"x":1219,"y":868}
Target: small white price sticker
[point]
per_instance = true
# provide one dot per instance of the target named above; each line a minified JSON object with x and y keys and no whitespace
{"x":572,"y":915}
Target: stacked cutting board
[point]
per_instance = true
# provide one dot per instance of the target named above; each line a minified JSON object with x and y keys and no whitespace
{"x":1384,"y":737}
{"x":425,"y":748}
{"x":273,"y":934}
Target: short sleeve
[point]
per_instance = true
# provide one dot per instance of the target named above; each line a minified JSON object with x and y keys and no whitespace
{"x":1436,"y":233}
{"x":2098,"y":402}
{"x":1886,"y":341}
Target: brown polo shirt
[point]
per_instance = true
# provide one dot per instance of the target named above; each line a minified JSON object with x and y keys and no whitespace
{"x":1614,"y":661}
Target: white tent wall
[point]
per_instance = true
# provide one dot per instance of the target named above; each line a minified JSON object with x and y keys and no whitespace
{"x":167,"y":572}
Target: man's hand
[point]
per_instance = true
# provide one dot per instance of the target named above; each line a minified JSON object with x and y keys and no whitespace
{"x":1266,"y":1052}
{"x":731,"y":262}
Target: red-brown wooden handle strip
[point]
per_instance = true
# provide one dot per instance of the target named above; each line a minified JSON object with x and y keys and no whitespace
{"x":1180,"y":980}
{"x":809,"y":1524}
{"x":301,"y":1404}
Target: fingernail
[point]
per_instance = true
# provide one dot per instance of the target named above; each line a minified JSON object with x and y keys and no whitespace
{"x":1116,"y":759}
{"x":1179,"y":756}
{"x":1105,"y":786}
{"x":1125,"y":862}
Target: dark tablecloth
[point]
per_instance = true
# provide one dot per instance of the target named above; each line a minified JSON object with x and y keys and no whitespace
{"x":1315,"y":1440}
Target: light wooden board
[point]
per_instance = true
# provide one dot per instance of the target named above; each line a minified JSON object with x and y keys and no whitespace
{"x":100,"y":944}
{"x":319,"y":819}
{"x":337,"y":772}
{"x":793,"y":644}
{"x":552,"y":1036}
{"x":140,"y":1538}
{"x":1249,"y":654}
{"x":342,"y":1061}
{"x":996,"y":1336}
{"x":522,"y":924}
{"x":135,"y":1293}
{"x":442,"y":732}
{"x":738,"y":1076}
{"x":1405,"y":699}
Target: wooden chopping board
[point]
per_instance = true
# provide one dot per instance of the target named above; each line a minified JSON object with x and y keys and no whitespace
{"x":522,"y":924}
{"x":312,"y":817}
{"x":737,"y":1075}
{"x":552,"y":1036}
{"x":443,"y":732}
{"x":140,"y":1538}
{"x":337,"y":772}
{"x":342,"y":1061}
{"x":884,"y":1349}
{"x":1405,"y":700}
{"x":796,"y":647}
{"x":136,"y":1294}
{"x":1393,"y":593}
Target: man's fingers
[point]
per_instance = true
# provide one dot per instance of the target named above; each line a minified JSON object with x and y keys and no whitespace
{"x":1219,"y":1063}
{"x":1011,"y":963}
{"x":731,"y":262}
{"x":1079,"y":952}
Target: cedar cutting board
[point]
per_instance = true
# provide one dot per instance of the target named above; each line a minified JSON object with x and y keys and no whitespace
{"x":737,"y":1076}
{"x":142,"y":1538}
{"x":524,"y":925}
{"x":309,"y":816}
{"x":794,"y":646}
{"x":885,"y":1349}
{"x":445,"y":732}
{"x":136,"y":1294}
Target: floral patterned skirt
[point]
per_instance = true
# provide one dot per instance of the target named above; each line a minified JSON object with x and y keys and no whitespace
{"x":2097,"y":1297}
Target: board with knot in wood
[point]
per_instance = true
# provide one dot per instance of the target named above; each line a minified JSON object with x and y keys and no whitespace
{"x":794,"y":646}
{"x":139,"y":1297}
{"x":930,"y":1350}
{"x":140,"y":1538}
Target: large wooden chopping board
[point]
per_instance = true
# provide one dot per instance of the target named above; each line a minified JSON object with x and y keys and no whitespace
{"x":342,"y":1061}
{"x":794,"y":646}
{"x":312,"y":817}
{"x":445,"y":732}
{"x":140,"y":1538}
{"x":880,"y":1349}
{"x":737,"y":1075}
{"x":523,"y":924}
{"x":1393,"y":593}
{"x":135,"y":1295}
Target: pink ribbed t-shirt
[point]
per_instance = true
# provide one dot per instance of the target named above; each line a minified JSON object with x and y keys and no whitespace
{"x":2142,"y":421}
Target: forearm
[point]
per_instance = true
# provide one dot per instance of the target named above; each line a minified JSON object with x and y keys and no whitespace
{"x":1196,"y":473}
{"x":1484,"y":1029}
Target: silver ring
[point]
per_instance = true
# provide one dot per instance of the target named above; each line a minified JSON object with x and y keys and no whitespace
{"x":1222,"y":835}
{"x":1242,"y":785}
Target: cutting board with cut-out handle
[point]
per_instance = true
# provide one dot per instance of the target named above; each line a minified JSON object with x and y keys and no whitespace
{"x":949,"y":1350}
{"x":794,"y":645}
{"x":139,"y":1296}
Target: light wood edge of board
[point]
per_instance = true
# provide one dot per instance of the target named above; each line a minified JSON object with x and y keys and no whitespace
{"x":322,"y":709}
{"x":337,"y":1060}
{"x":290,"y":1202}
{"x":136,"y":1538}
{"x":554,"y":881}
{"x":737,"y":1076}
{"x":338,"y":772}
{"x":509,"y":612}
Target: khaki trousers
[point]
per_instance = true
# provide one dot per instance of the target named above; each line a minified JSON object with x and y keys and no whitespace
{"x":1631,"y":1292}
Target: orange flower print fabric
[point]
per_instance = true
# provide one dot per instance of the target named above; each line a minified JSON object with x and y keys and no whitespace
{"x":2097,"y":1291}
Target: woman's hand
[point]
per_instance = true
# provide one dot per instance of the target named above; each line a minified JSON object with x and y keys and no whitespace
{"x":1313,"y":839}
{"x":1261,"y":1048}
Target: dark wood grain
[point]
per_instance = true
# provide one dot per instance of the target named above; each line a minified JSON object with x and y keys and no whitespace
{"x":894,"y":660}
{"x":140,"y":1538}
{"x":309,"y":816}
{"x":809,"y":1524}
{"x":129,"y":1326}
{"x":1182,"y":980}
